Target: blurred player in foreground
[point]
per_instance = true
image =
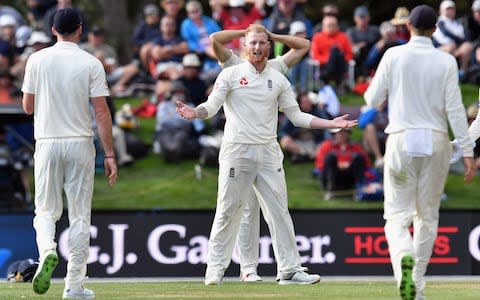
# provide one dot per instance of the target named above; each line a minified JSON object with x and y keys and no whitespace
{"x":421,"y":84}
{"x":59,"y":81}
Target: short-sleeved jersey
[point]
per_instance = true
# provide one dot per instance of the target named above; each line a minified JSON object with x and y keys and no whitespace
{"x":276,"y":63}
{"x":251,"y":101}
{"x":63,"y":78}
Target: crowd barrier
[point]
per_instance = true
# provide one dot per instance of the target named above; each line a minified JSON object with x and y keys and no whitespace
{"x":174,"y":243}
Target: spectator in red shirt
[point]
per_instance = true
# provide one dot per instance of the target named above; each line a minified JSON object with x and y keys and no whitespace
{"x":341,"y":163}
{"x":238,"y":15}
{"x":332,"y":49}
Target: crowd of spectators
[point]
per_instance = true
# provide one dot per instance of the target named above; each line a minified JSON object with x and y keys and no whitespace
{"x":172,"y":54}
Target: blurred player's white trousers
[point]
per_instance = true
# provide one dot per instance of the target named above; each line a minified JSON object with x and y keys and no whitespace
{"x":249,"y":235}
{"x":413,"y":188}
{"x":65,"y":164}
{"x":242,"y":165}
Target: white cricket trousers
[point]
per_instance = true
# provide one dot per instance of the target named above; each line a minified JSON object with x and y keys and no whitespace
{"x":66,"y":164}
{"x":242,"y":165}
{"x":249,"y":235}
{"x":413,"y":188}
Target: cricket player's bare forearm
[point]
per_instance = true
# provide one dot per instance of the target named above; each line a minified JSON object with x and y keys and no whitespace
{"x":201,"y":112}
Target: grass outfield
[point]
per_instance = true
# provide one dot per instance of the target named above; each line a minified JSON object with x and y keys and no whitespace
{"x":152,"y":184}
{"x":378,"y":290}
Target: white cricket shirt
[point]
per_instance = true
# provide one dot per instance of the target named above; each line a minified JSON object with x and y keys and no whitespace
{"x":421,"y":84}
{"x":63,"y":78}
{"x":251,"y":101}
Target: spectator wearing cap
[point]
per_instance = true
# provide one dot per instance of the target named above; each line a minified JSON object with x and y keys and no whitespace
{"x":147,"y":29}
{"x":196,"y":29}
{"x":452,"y":37}
{"x":298,"y":74}
{"x":37,"y":41}
{"x":400,"y":20}
{"x":117,"y":76}
{"x":8,"y":28}
{"x":363,"y":35}
{"x":340,"y":163}
{"x":191,"y":78}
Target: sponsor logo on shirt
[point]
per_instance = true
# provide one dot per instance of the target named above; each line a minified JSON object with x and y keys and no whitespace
{"x":243,"y":81}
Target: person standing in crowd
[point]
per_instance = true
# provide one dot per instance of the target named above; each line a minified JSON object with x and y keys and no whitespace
{"x":250,"y":155}
{"x":421,"y":85}
{"x":248,"y":236}
{"x":64,"y":151}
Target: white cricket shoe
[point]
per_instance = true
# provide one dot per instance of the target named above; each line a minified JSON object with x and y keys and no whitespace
{"x":301,"y":277}
{"x":213,"y":280}
{"x":82,"y":293}
{"x":251,"y":277}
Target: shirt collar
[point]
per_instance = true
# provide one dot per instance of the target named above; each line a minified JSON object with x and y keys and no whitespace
{"x":253,"y":70}
{"x":64,"y":44}
{"x":420,"y":41}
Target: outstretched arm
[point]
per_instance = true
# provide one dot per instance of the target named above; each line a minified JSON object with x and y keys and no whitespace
{"x":220,"y":38}
{"x":298,"y":47}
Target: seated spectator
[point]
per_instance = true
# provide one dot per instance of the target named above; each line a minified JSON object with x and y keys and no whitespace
{"x":471,"y":23}
{"x":8,"y":28}
{"x":190,"y":78}
{"x":363,"y":35}
{"x":36,"y":12}
{"x":284,"y":13}
{"x":147,"y":29}
{"x":388,"y":39}
{"x":37,"y":41}
{"x":450,"y":36}
{"x":196,"y":30}
{"x":298,"y":74}
{"x":165,"y":58}
{"x":341,"y":163}
{"x":373,"y":121}
{"x":400,"y":20}
{"x":298,"y":143}
{"x":117,"y":76}
{"x":330,"y":9}
{"x":176,"y":138}
{"x":332,"y":49}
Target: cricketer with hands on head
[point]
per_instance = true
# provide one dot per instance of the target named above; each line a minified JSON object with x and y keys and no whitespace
{"x":58,"y":85}
{"x":251,"y":94}
{"x":249,"y":231}
{"x":421,"y":84}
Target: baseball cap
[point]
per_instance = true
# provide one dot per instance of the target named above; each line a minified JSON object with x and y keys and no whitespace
{"x":476,"y":5}
{"x":296,"y":27}
{"x":361,"y":11}
{"x":151,"y":9}
{"x":38,"y":37}
{"x":7,"y":20}
{"x":447,"y":4}
{"x":97,"y":30}
{"x":191,"y":60}
{"x":423,"y":17}
{"x":236,"y":3}
{"x":66,"y":21}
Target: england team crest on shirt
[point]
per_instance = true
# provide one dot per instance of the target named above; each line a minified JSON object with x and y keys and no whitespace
{"x":269,"y":84}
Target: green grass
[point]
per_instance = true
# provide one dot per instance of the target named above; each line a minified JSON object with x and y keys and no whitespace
{"x":378,"y":290}
{"x":152,"y":184}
